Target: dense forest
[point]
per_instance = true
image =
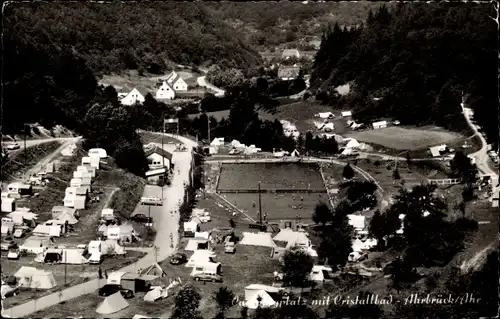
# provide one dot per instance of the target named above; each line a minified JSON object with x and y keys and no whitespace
{"x":412,"y":63}
{"x":265,"y":23}
{"x":116,"y":36}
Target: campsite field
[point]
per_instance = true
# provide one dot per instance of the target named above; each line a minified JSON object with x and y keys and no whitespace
{"x":401,"y":138}
{"x":280,"y":207}
{"x":75,"y":274}
{"x":271,"y":175}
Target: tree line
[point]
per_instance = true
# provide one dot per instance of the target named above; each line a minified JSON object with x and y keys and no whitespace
{"x":117,"y":36}
{"x":413,"y":63}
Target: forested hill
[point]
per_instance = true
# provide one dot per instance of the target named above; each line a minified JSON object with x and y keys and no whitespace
{"x":115,"y":36}
{"x":416,"y":60}
{"x":265,"y":24}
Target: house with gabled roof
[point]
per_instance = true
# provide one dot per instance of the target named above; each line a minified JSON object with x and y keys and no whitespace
{"x":165,"y":92}
{"x":288,"y":72}
{"x":288,"y":53}
{"x":176,"y":82}
{"x":158,"y":158}
{"x":137,"y":95}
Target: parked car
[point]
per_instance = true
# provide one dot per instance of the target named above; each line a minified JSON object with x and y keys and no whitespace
{"x":13,"y":146}
{"x":143,"y":219}
{"x":7,"y":243}
{"x":19,"y":233}
{"x":9,"y":291}
{"x":208,"y":277}
{"x":14,"y":253}
{"x":178,"y":258}
{"x":230,"y":247}
{"x":110,"y":289}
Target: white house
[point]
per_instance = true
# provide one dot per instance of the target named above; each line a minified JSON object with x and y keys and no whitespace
{"x":288,"y":53}
{"x":165,"y":92}
{"x":176,"y":82}
{"x":158,"y":158}
{"x":133,"y":97}
{"x":379,"y":124}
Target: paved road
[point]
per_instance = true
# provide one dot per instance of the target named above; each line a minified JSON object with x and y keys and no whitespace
{"x":30,"y":143}
{"x":202,"y":82}
{"x":165,"y":224}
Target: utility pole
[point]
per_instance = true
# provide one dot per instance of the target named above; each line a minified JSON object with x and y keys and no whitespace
{"x":260,"y":207}
{"x":178,"y":130}
{"x":25,"y":133}
{"x":65,"y":265}
{"x":208,"y":122}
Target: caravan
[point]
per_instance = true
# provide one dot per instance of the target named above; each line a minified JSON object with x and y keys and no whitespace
{"x":97,"y":152}
{"x":18,"y":190}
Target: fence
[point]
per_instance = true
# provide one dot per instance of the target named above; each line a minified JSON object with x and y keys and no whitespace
{"x":275,"y":190}
{"x":445,"y":181}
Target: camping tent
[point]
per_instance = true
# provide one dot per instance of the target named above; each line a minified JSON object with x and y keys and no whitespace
{"x":112,"y":304}
{"x":19,"y":216}
{"x":106,"y":247}
{"x":67,"y":217}
{"x":346,"y":113}
{"x":30,"y":277}
{"x":200,"y":256}
{"x":252,"y":296}
{"x":57,"y":210}
{"x":73,"y":257}
{"x":156,"y":292}
{"x":295,"y":153}
{"x":352,"y":143}
{"x":357,"y":221}
{"x":155,"y":270}
{"x":202,"y":235}
{"x":318,"y":272}
{"x":258,"y":239}
{"x":36,"y":245}
{"x":237,"y":144}
{"x":44,"y":230}
{"x":123,"y":232}
{"x":329,"y":127}
{"x":326,"y":115}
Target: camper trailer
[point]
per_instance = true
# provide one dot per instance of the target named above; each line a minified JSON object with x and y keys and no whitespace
{"x":89,"y":169}
{"x":18,"y":190}
{"x":206,"y":268}
{"x":107,"y":214}
{"x":97,"y":152}
{"x":190,"y":228}
{"x":85,"y":176}
{"x":8,"y":205}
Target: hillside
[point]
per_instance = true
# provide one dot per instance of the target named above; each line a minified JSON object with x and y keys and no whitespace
{"x":412,"y":63}
{"x":116,"y":36}
{"x":267,"y":24}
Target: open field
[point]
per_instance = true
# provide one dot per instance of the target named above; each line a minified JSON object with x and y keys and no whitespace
{"x":127,"y":81}
{"x":75,"y":274}
{"x":401,"y":138}
{"x":280,"y":207}
{"x":18,"y":162}
{"x":271,"y":176}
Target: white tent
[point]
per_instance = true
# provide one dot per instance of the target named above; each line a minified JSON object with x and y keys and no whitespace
{"x":329,"y":127}
{"x":57,"y":210}
{"x":123,"y":232}
{"x":347,"y":151}
{"x":18,"y":216}
{"x":155,"y":293}
{"x":258,"y":239}
{"x":202,"y":235}
{"x":218,"y":141}
{"x":352,"y":143}
{"x":346,"y":113}
{"x":200,"y":256}
{"x":252,"y":302}
{"x":357,"y":221}
{"x":326,"y":115}
{"x":285,"y":235}
{"x":112,"y":304}
{"x":317,"y":272}
{"x":193,"y":244}
{"x":293,"y":238}
{"x":30,"y":277}
{"x":295,"y":153}
{"x":73,"y":257}
{"x":67,"y":217}
{"x":319,"y":125}
{"x":36,"y":245}
{"x":44,"y":230}
{"x":106,"y":247}
{"x":237,"y":144}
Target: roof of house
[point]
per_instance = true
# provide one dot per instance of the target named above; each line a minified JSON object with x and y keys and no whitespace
{"x":160,"y":151}
{"x":436,"y":150}
{"x":191,"y":94}
{"x":288,"y":71}
{"x":290,"y":52}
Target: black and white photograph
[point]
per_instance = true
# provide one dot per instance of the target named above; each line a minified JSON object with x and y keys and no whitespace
{"x":250,"y":159}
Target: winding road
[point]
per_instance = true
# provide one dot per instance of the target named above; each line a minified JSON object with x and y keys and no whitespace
{"x":166,"y":222}
{"x":203,"y":82}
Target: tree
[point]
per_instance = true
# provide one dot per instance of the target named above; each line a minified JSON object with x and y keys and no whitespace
{"x":401,"y":272}
{"x":395,"y":175}
{"x":462,"y":167}
{"x":335,"y":245}
{"x":224,"y":298}
{"x":348,"y":172}
{"x":378,"y":228}
{"x":309,"y":141}
{"x":186,"y":305}
{"x":322,"y":214}
{"x":297,"y":266}
{"x":362,"y":194}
